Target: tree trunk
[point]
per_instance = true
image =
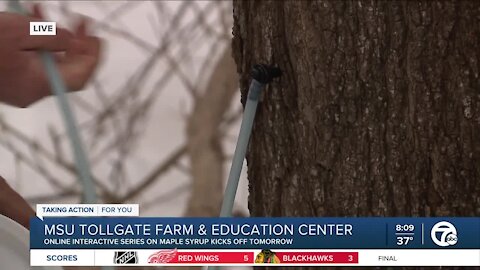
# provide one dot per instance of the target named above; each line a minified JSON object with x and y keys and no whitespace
{"x":204,"y":138}
{"x":377,"y":112}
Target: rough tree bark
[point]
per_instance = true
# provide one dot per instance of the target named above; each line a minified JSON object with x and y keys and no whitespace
{"x":377,"y":113}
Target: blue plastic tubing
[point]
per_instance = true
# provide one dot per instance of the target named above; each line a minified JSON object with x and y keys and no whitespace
{"x":81,"y":161}
{"x":241,"y":148}
{"x":59,"y":89}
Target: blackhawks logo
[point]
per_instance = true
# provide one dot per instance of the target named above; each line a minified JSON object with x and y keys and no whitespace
{"x":267,"y":256}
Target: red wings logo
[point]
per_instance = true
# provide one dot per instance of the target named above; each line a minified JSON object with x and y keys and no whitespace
{"x":162,"y":256}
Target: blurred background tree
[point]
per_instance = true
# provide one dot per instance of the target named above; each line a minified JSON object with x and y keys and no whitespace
{"x":158,"y":119}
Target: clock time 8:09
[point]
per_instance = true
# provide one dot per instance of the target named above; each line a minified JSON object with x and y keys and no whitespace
{"x":404,"y":227}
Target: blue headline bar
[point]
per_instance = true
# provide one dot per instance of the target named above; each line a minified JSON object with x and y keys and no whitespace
{"x":254,"y":233}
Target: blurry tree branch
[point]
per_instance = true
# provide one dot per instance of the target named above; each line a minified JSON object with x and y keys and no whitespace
{"x":114,"y":119}
{"x":38,"y":149}
{"x":163,"y":167}
{"x":204,"y":142}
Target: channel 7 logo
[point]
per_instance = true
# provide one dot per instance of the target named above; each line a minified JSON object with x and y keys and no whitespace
{"x":444,"y":234}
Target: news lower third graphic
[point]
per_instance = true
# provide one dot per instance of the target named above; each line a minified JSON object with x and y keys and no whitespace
{"x":108,"y":235}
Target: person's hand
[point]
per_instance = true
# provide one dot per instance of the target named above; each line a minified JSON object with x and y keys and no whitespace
{"x":22,"y":76}
{"x":13,"y":206}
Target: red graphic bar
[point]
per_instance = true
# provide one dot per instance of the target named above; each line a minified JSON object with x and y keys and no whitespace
{"x":317,"y":257}
{"x":213,"y":257}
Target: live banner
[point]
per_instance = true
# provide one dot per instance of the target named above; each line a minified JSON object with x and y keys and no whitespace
{"x":144,"y":241}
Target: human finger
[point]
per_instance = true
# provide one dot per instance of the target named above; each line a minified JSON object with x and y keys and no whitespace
{"x":58,"y":42}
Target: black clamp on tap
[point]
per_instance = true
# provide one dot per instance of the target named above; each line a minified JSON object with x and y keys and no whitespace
{"x":264,"y":73}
